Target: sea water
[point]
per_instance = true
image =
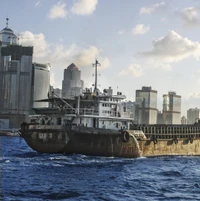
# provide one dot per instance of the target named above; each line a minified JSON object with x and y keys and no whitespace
{"x":27,"y":175}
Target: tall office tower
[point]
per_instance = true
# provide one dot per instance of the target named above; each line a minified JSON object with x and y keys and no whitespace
{"x":171,"y":108}
{"x":192,"y":115}
{"x":72,"y":84}
{"x":146,"y":106}
{"x":41,"y":84}
{"x":15,"y":80}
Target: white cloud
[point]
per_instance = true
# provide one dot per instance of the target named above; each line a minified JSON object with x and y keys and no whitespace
{"x":194,"y":95}
{"x":58,"y":11}
{"x":58,"y":55}
{"x":190,"y":16}
{"x":121,"y":32}
{"x":84,"y":7}
{"x":140,"y":29}
{"x":37,"y":4}
{"x":166,"y":67}
{"x":41,"y":48}
{"x":150,"y":10}
{"x":172,"y":48}
{"x":105,"y":62}
{"x":134,"y":69}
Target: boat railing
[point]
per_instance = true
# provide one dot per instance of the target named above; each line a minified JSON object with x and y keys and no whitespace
{"x":171,"y":131}
{"x":173,"y":136}
{"x":83,"y":111}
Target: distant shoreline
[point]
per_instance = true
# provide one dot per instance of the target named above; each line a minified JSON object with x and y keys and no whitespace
{"x":10,"y":134}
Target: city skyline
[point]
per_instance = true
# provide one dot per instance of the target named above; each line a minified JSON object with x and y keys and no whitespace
{"x":138,"y":43}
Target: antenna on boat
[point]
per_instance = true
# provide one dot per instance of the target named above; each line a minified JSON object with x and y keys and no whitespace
{"x":95,"y":75}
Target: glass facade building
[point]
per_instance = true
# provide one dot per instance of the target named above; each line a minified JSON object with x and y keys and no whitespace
{"x":72,"y":84}
{"x":172,"y":108}
{"x":15,"y":78}
{"x":146,"y":106}
{"x":41,"y":85}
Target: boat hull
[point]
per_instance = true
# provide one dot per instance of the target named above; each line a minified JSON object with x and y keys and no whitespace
{"x":104,"y":142}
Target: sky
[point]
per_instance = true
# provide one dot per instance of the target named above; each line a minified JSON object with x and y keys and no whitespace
{"x":138,"y":42}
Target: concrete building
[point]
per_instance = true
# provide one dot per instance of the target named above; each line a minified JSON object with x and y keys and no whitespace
{"x":146,"y":106}
{"x":72,"y":84}
{"x":128,"y":109}
{"x":15,"y":78}
{"x":41,"y":84}
{"x":172,"y":108}
{"x":192,"y":115}
{"x":183,"y":120}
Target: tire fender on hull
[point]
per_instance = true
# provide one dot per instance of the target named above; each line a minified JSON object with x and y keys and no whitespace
{"x":125,"y":136}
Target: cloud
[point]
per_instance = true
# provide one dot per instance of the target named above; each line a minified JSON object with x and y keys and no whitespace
{"x":140,"y":29}
{"x":84,"y":7}
{"x":150,"y":10}
{"x":134,"y":69}
{"x":172,"y":48}
{"x":41,"y":48}
{"x":166,"y":67}
{"x":37,"y":4}
{"x":121,"y":32}
{"x":190,"y":16}
{"x":59,"y":55}
{"x":105,"y":62}
{"x":58,"y":11}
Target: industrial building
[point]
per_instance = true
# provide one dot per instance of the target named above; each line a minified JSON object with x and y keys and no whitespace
{"x":72,"y":85}
{"x":146,"y":106}
{"x":192,"y":115}
{"x":171,"y":108}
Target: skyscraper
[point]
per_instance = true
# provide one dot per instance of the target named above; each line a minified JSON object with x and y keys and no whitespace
{"x":41,"y":84}
{"x":172,"y":108}
{"x":192,"y":115}
{"x":72,"y":84}
{"x":15,"y":78}
{"x":146,"y":106}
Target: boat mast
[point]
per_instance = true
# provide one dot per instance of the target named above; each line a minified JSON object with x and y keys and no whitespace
{"x":95,"y":75}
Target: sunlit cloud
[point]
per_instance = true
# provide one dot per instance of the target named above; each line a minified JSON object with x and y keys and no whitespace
{"x":84,"y":7}
{"x":140,"y":29}
{"x":172,"y":48}
{"x":190,"y":16}
{"x":151,"y":9}
{"x":134,"y":70}
{"x":58,"y":11}
{"x":37,"y":3}
{"x":121,"y":32}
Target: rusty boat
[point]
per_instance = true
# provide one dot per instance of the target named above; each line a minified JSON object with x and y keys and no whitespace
{"x":94,"y":124}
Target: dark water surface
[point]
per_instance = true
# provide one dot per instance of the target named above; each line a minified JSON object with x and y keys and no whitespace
{"x":27,"y":175}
